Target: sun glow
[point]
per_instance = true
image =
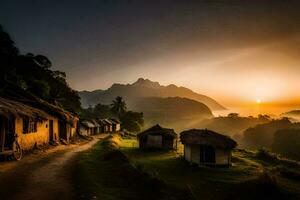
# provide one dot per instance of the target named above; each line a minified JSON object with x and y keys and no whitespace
{"x":258,"y":101}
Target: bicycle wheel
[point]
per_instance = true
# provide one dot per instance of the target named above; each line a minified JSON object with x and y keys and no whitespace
{"x":17,"y":151}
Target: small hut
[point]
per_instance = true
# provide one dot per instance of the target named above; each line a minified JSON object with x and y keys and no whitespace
{"x":158,"y":137}
{"x":24,"y":126}
{"x":206,"y":147}
{"x":116,"y":125}
{"x":86,"y":128}
{"x":97,"y":127}
{"x":106,"y":126}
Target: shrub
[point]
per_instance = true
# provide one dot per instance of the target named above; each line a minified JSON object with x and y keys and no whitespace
{"x":265,"y":154}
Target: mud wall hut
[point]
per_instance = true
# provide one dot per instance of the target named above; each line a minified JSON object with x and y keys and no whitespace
{"x":157,"y":137}
{"x":116,"y":125}
{"x":206,"y":147}
{"x":30,"y":125}
{"x":35,"y":123}
{"x":86,"y":128}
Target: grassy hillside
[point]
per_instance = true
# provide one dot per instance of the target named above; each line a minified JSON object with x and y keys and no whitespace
{"x":129,"y":173}
{"x":250,"y":177}
{"x":106,"y":173}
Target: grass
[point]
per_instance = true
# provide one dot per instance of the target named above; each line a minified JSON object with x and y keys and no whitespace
{"x":116,"y":169}
{"x":248,"y":178}
{"x":106,"y":173}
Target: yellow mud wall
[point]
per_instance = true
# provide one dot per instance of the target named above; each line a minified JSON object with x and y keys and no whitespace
{"x":118,"y":127}
{"x":74,"y":128}
{"x":40,"y":137}
{"x":29,"y":140}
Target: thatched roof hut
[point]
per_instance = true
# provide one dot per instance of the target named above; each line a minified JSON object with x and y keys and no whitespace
{"x":14,"y":108}
{"x":158,"y":137}
{"x":116,"y":124}
{"x":207,"y":147}
{"x":87,"y":124}
{"x":207,"y":137}
{"x":15,"y":93}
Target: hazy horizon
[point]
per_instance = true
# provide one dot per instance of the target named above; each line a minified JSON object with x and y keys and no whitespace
{"x":237,"y":52}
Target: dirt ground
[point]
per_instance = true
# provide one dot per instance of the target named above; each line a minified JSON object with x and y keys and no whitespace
{"x":45,"y":175}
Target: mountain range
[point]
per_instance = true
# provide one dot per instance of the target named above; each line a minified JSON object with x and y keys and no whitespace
{"x":170,"y":106}
{"x":132,"y":93}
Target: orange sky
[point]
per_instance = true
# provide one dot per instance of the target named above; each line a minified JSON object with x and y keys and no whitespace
{"x":235,"y":51}
{"x":234,"y":77}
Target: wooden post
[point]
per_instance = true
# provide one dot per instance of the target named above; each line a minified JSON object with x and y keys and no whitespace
{"x":2,"y":134}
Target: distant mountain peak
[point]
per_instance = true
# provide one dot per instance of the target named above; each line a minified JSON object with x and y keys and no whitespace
{"x":145,"y":88}
{"x":146,"y":82}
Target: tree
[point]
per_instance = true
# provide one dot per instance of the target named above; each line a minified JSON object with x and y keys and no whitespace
{"x":39,"y":88}
{"x":132,"y":121}
{"x":233,"y":115}
{"x":33,"y":74}
{"x":287,"y":143}
{"x":8,"y":53}
{"x":102,"y":111}
{"x":264,"y":117}
{"x":262,"y":135}
{"x":43,"y":61}
{"x":7,"y":45}
{"x":118,"y":106}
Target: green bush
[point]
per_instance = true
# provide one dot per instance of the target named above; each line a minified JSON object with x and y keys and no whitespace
{"x":265,"y":154}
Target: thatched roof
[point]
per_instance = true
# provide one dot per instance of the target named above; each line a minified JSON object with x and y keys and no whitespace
{"x":107,"y":121}
{"x":158,"y":130}
{"x":88,"y":124}
{"x":17,"y":94}
{"x":207,"y":137}
{"x":14,"y":108}
{"x":95,"y":122}
{"x":114,"y":121}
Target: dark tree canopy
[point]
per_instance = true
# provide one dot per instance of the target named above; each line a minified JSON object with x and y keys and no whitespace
{"x":287,"y":143}
{"x":118,"y":106}
{"x":262,"y":135}
{"x":33,"y":74}
{"x":132,"y":121}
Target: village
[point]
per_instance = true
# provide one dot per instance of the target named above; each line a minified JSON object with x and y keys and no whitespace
{"x":25,"y":126}
{"x":31,"y":123}
{"x":149,"y":100}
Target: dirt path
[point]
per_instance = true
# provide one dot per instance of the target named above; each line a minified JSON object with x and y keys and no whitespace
{"x":46,"y":179}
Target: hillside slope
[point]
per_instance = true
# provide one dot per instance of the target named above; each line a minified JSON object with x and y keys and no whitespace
{"x":178,"y":113}
{"x":294,"y":115}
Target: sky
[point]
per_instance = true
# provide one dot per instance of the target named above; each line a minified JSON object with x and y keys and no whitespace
{"x":237,"y":52}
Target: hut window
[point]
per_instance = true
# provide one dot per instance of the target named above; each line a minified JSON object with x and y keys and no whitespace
{"x":29,"y":126}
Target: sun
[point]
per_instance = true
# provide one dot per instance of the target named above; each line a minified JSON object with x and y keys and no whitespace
{"x":258,"y":101}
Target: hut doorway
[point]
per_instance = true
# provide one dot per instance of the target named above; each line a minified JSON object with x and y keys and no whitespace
{"x":207,"y":154}
{"x":10,"y":134}
{"x":7,"y":132}
{"x":62,"y":130}
{"x":154,"y":141}
{"x":51,"y":138}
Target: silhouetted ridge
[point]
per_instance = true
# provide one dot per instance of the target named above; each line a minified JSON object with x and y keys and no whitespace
{"x":144,"y":88}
